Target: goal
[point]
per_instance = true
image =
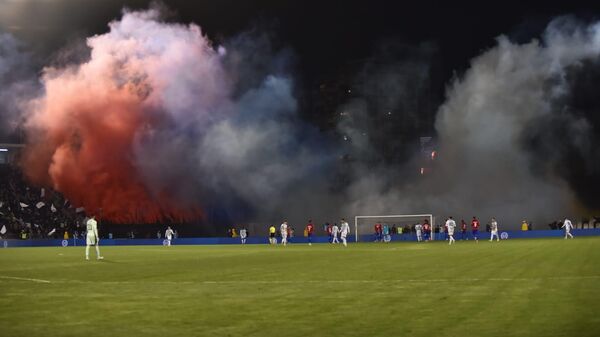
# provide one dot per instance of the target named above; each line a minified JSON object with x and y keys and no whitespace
{"x":364,"y":225}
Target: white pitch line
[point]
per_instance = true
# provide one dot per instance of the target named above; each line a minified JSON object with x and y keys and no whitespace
{"x":36,"y":280}
{"x":310,"y":281}
{"x":234,"y":282}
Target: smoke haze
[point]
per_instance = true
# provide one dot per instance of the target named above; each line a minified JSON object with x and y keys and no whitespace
{"x":17,"y":84}
{"x":155,"y":121}
{"x":499,"y":150}
{"x":155,"y":125}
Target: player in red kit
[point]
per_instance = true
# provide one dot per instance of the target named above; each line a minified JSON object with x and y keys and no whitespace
{"x":309,"y":231}
{"x":329,"y":230}
{"x":475,"y":228}
{"x":426,"y":230}
{"x":378,"y":232}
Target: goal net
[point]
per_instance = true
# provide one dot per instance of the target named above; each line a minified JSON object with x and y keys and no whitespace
{"x":398,"y":227}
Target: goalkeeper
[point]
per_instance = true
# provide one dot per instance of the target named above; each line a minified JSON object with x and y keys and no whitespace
{"x":92,"y":238}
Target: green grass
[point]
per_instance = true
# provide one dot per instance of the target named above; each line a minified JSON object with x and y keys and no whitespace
{"x":544,"y":287}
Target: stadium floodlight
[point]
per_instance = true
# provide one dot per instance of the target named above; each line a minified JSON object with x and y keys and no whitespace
{"x":363,"y":224}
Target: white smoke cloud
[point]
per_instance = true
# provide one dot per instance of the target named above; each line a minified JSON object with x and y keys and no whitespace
{"x":234,"y":137}
{"x":16,"y":83}
{"x":483,"y":167}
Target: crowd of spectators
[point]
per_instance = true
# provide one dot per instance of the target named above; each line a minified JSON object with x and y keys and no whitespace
{"x":30,"y":212}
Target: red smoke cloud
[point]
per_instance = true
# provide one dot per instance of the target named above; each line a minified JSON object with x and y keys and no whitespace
{"x":83,"y":131}
{"x":85,"y":149}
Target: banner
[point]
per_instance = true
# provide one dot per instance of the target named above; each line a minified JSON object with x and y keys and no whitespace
{"x":23,"y":205}
{"x":53,"y":209}
{"x":40,"y":204}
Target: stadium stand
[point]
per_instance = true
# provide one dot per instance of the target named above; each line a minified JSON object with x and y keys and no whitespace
{"x":29,"y":212}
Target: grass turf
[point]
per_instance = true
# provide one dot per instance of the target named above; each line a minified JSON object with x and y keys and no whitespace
{"x":543,"y":287}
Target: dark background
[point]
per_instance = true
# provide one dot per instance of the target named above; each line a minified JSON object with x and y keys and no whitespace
{"x":325,"y":35}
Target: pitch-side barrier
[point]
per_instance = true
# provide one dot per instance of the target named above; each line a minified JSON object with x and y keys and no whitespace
{"x":294,"y":240}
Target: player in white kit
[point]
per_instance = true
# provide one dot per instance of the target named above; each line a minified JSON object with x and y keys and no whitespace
{"x":450,"y":225}
{"x":169,"y":235}
{"x":494,"y":230}
{"x":567,"y":225}
{"x":335,"y":230}
{"x":344,"y":230}
{"x":419,"y":230}
{"x":283,"y":231}
{"x":243,"y":235}
{"x":92,"y":238}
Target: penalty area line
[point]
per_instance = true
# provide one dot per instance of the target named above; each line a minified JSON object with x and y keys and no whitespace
{"x":275,"y":282}
{"x":36,"y":280}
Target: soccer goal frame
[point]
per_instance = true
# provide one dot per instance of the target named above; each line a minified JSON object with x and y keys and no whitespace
{"x":426,"y":216}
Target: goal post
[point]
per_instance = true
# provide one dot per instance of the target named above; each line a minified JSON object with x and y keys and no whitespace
{"x":363,"y":224}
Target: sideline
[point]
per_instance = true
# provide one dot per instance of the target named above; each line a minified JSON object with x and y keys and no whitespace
{"x":234,"y":282}
{"x":36,"y":280}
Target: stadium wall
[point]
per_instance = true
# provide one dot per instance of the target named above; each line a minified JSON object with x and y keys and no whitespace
{"x":294,"y":240}
{"x":149,"y":242}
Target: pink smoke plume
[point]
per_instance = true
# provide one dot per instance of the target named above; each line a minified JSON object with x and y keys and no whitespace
{"x":142,"y":76}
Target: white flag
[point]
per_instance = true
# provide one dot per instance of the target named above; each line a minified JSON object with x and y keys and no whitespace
{"x":40,"y":204}
{"x":23,"y":205}
{"x":3,"y":230}
{"x":53,"y":209}
{"x":1,"y":204}
{"x":42,"y":192}
{"x":52,"y":232}
{"x":79,"y":209}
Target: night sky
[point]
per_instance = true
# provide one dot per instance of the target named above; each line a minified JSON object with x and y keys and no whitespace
{"x":323,"y":34}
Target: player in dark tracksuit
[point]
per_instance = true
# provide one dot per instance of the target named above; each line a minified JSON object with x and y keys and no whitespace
{"x":463,"y":230}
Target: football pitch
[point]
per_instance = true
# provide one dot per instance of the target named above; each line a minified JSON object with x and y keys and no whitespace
{"x":538,"y":287}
